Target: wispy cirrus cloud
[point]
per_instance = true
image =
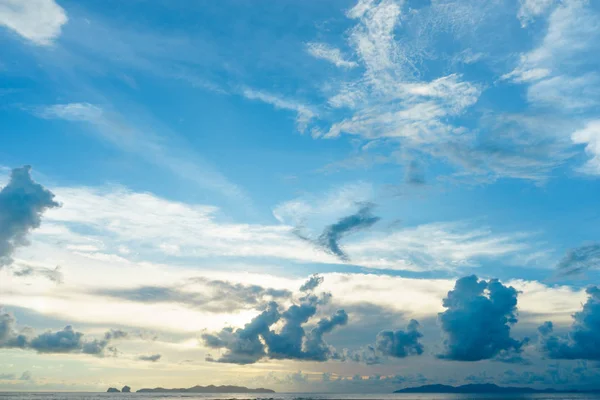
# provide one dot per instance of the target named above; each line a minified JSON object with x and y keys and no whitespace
{"x":148,"y":144}
{"x":531,"y":9}
{"x":304,"y":113}
{"x":331,"y":54}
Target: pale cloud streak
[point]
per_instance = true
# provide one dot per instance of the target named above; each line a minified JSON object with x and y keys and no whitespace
{"x":331,"y":54}
{"x":304,"y":113}
{"x":146,"y":143}
{"x":39,"y":21}
{"x":435,"y":246}
{"x":530,"y":9}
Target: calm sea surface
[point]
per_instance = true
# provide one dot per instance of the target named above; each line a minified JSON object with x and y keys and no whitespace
{"x":286,"y":396}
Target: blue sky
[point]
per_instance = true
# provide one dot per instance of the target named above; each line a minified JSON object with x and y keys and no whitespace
{"x":192,"y":152}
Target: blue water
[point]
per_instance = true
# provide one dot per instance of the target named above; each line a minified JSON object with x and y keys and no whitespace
{"x":287,"y":396}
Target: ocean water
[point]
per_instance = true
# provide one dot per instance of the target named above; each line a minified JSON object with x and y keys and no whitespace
{"x":288,"y":396}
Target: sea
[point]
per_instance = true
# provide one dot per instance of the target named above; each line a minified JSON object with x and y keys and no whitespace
{"x":289,"y":396}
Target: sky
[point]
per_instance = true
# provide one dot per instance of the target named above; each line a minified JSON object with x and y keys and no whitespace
{"x":326,"y":196}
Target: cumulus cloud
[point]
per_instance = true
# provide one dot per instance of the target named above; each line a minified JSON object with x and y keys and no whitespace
{"x":388,"y":343}
{"x":39,"y":21}
{"x":579,"y":260}
{"x":257,"y":340}
{"x":66,"y":340}
{"x":477,"y":321}
{"x":150,"y":358}
{"x":22,"y":203}
{"x":9,"y":337}
{"x":400,"y":343}
{"x":332,"y":234}
{"x":583,"y":340}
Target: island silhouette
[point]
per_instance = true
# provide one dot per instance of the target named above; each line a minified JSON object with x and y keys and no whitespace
{"x":207,"y":389}
{"x":485,"y":388}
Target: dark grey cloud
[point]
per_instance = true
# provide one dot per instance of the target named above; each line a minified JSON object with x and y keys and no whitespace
{"x":9,"y":337}
{"x":583,"y":340}
{"x":55,"y":275}
{"x":332,"y":234}
{"x":150,"y":358}
{"x":478,"y":319}
{"x":368,"y":355}
{"x":579,"y":260}
{"x":256,"y":340}
{"x":400,"y":343}
{"x":315,"y":347}
{"x":216,"y":296}
{"x":244,"y":346}
{"x":22,"y":203}
{"x":312,"y":283}
{"x":66,"y":340}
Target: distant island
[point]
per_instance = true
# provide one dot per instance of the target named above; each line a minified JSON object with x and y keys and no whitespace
{"x":485,"y":388}
{"x":126,"y":389}
{"x":207,"y":389}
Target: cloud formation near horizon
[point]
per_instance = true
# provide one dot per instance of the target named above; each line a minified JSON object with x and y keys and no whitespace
{"x":22,"y":203}
{"x":477,"y":321}
{"x":399,"y":343}
{"x":583,"y":340}
{"x":256,"y":340}
{"x":66,"y":340}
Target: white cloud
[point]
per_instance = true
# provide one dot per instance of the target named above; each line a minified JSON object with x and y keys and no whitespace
{"x":530,"y":9}
{"x":95,"y":224}
{"x":85,"y":112}
{"x":119,"y":217}
{"x":331,"y":54}
{"x":39,"y":21}
{"x":435,"y":246}
{"x":416,"y":112}
{"x":389,"y":100}
{"x":590,"y":137}
{"x":304,"y":113}
{"x":373,"y":37}
{"x":558,"y":68}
